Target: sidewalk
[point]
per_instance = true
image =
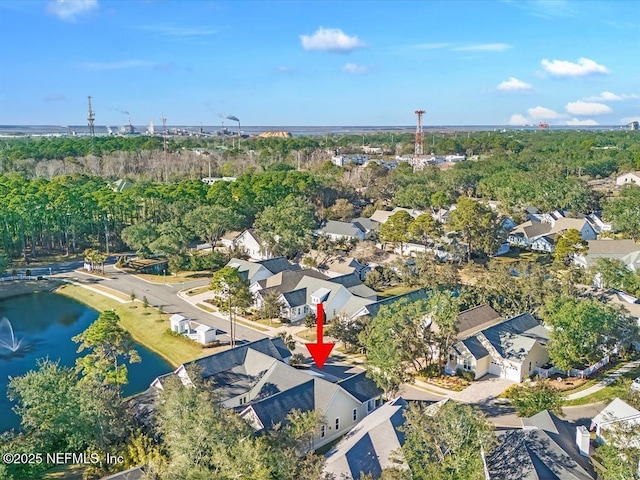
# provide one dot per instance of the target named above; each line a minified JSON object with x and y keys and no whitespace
{"x":608,"y":380}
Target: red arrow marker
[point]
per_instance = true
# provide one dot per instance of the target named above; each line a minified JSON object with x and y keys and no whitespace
{"x":320,"y":351}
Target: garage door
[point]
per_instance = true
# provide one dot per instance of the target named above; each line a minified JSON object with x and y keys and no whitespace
{"x":495,"y":368}
{"x":512,"y":373}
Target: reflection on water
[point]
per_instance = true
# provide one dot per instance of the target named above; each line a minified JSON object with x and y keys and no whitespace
{"x":45,"y":323}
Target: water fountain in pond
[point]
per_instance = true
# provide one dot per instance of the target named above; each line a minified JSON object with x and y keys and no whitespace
{"x":8,"y":339}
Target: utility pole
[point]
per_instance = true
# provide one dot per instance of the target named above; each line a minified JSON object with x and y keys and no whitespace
{"x":418,"y":150}
{"x":91,"y":117}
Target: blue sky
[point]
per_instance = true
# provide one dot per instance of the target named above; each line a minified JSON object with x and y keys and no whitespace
{"x":320,"y":63}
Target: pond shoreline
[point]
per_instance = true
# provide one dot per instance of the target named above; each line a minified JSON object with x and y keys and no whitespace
{"x":17,"y":288}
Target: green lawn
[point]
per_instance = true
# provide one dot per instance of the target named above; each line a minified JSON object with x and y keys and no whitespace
{"x":619,"y":388}
{"x":147,"y":328}
{"x":198,"y":291}
{"x":393,"y":291}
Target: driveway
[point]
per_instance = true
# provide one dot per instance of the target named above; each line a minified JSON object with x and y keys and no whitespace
{"x":480,"y":391}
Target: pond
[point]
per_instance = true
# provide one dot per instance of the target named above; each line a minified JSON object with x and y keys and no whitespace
{"x":41,"y":325}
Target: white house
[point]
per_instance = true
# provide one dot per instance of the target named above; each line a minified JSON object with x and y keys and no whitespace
{"x":616,"y":413}
{"x":255,"y":380}
{"x":381,"y":216}
{"x":205,"y":334}
{"x":179,"y":323}
{"x":627,"y":251}
{"x":542,"y":235}
{"x":336,"y":231}
{"x":631,"y":178}
{"x":248,"y":241}
{"x":511,"y":349}
{"x":263,"y":269}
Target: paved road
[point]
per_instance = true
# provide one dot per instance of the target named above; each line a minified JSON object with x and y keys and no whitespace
{"x":164,"y":295}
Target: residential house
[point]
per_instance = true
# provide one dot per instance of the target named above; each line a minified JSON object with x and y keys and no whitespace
{"x":630,"y":178}
{"x":340,"y":295}
{"x":381,"y":216}
{"x":338,"y":266}
{"x":545,"y":448}
{"x":342,"y":160}
{"x":540,"y":233}
{"x":598,"y":224}
{"x":370,"y":226}
{"x":375,"y":444}
{"x":618,"y":412}
{"x":255,"y":380}
{"x":511,"y":349}
{"x":371,"y":310}
{"x":337,"y":231}
{"x":247,"y":241}
{"x":254,"y":271}
{"x":627,"y":251}
{"x":280,"y":282}
{"x":370,"y":447}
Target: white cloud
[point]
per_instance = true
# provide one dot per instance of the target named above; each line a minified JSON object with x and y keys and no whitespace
{"x":330,"y":40}
{"x":542,"y":113}
{"x":517,"y":119}
{"x":575,"y":121}
{"x":484,"y":47}
{"x":514,"y":85}
{"x":285,"y":69}
{"x":611,"y":97}
{"x":583,"y":68}
{"x":626,"y":120}
{"x":69,"y":10}
{"x":120,"y":65}
{"x":354,"y":68}
{"x":584,"y":109}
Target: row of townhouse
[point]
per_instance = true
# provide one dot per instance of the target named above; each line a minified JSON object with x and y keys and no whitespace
{"x":541,"y":231}
{"x":256,"y":381}
{"x":300,"y":290}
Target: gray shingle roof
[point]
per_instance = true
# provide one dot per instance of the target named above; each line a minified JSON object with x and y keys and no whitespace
{"x":475,"y":319}
{"x":224,"y":361}
{"x":369,"y":447}
{"x":296,"y":298}
{"x":277,"y":265}
{"x":414,"y":296}
{"x":275,"y":408}
{"x":545,"y":449}
{"x":361,"y":387}
{"x":514,"y":337}
{"x":346,"y":229}
{"x":367,"y":223}
{"x":475,"y":347}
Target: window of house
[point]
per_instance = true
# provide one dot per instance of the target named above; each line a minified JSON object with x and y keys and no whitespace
{"x":338,"y":423}
{"x":369,"y":405}
{"x":529,"y":366}
{"x":355,"y":414}
{"x":323,"y":431}
{"x":467,"y":365}
{"x":452,"y":356}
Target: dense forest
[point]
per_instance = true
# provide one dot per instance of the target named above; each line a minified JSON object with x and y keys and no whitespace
{"x":55,"y":193}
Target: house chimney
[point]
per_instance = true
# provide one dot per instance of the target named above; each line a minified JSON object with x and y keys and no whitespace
{"x":583,"y":440}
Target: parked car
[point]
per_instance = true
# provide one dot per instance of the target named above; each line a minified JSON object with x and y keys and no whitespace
{"x":635,"y":386}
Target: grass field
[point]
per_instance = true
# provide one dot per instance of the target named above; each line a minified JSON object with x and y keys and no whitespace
{"x":173,"y":279}
{"x":619,"y":388}
{"x":393,"y":291}
{"x":147,"y":328}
